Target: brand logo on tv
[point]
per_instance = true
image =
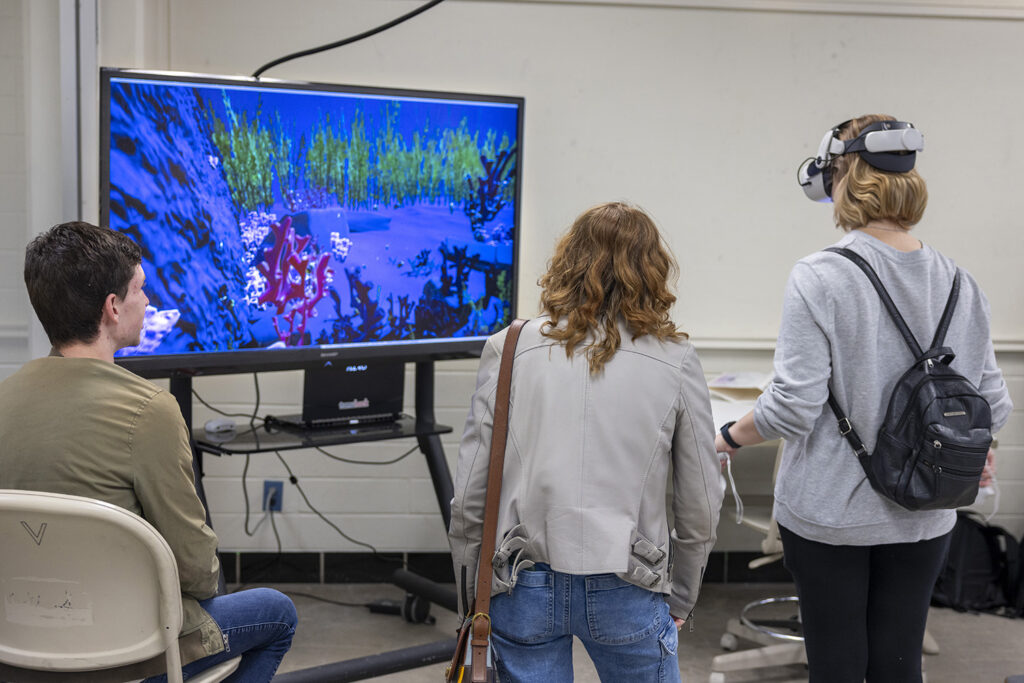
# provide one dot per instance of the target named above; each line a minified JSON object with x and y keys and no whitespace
{"x":355,"y":368}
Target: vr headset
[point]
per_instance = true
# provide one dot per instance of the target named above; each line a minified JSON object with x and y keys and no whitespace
{"x":887,"y":145}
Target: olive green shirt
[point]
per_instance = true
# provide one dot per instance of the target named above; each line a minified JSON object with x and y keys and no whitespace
{"x":90,"y":428}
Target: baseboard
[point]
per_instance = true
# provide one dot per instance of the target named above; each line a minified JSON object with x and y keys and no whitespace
{"x":258,"y":567}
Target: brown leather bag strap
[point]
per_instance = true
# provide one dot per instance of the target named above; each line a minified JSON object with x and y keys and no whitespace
{"x":499,"y":435}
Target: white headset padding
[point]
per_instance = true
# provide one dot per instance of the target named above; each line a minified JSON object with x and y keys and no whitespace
{"x":898,"y":140}
{"x":812,"y":180}
{"x":829,"y":147}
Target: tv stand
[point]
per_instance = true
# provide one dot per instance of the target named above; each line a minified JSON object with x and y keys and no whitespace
{"x":261,"y":439}
{"x":427,"y":432}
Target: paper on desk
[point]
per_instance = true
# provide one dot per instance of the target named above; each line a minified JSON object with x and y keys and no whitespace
{"x":739,"y":386}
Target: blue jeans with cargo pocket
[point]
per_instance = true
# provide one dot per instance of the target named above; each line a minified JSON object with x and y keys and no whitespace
{"x":626,"y":630}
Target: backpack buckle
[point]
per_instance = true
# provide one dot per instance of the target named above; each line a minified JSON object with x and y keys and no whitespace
{"x":845,"y":427}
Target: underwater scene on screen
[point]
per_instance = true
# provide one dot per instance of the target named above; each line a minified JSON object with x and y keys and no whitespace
{"x":274,"y":218}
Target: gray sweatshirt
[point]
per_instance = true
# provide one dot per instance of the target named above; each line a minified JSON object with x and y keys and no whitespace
{"x":834,"y":328}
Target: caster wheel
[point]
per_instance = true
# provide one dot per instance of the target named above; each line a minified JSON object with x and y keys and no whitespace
{"x":729,"y":642}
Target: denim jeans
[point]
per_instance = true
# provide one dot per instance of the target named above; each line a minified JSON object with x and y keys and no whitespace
{"x":258,"y":624}
{"x":626,"y":630}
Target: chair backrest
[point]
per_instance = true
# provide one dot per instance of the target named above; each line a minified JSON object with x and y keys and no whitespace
{"x":85,"y":585}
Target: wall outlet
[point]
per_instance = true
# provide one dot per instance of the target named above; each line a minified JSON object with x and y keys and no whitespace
{"x":273,"y":492}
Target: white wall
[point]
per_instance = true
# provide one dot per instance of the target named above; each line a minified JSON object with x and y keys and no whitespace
{"x":699,"y":113}
{"x":14,"y":309}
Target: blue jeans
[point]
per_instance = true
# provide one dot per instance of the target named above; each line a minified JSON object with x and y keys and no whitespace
{"x":258,"y":624}
{"x":626,"y":630}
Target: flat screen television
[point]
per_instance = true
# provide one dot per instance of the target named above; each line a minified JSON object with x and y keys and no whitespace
{"x":287,"y":224}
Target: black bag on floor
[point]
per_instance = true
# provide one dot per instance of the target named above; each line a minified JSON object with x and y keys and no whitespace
{"x":982,"y":571}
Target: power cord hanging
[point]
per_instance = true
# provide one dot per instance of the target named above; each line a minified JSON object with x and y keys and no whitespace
{"x":350,"y":461}
{"x":346,"y":41}
{"x":295,"y":480}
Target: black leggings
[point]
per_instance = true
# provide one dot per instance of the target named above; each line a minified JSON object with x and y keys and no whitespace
{"x":864,"y":608}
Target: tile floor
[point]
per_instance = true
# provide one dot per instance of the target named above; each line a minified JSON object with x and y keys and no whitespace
{"x":973,"y":648}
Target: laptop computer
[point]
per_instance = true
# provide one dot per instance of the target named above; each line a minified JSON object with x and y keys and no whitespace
{"x":342,"y":394}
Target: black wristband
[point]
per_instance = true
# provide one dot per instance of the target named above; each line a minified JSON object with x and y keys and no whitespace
{"x":725,"y":434}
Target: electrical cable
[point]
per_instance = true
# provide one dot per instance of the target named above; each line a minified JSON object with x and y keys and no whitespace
{"x":327,"y":600}
{"x":367,"y":462}
{"x":346,"y":41}
{"x":245,"y":497}
{"x":219,"y":411}
{"x":277,"y":536}
{"x":253,"y":416}
{"x":295,"y":480}
{"x":256,"y":408}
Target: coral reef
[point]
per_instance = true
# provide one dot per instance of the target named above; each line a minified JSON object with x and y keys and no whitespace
{"x":155,"y":326}
{"x":295,"y":280}
{"x":368,"y":309}
{"x":488,"y":193}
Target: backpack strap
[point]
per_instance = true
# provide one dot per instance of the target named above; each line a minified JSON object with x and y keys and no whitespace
{"x":947,"y":313}
{"x":847,"y":431}
{"x":935,"y":351}
{"x":887,"y":301}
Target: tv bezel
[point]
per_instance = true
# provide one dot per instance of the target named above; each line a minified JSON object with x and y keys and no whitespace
{"x":309,"y":357}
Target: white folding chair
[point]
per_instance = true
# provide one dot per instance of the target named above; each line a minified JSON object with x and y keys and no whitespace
{"x":89,"y":591}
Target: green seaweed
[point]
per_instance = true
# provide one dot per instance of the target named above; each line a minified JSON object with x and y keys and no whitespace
{"x":325,"y":165}
{"x":338,"y":163}
{"x":247,"y":157}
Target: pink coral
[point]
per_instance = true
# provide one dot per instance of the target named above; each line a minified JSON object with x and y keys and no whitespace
{"x":296,"y":281}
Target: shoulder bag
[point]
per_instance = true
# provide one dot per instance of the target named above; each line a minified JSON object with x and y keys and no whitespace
{"x":473,"y":648}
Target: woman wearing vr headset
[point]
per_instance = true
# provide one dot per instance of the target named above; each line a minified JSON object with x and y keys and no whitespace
{"x":864,"y":567}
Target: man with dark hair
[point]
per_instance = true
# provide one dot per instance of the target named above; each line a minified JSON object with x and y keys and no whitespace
{"x":76,"y":423}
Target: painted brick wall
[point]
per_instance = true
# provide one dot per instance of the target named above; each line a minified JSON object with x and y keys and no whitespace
{"x":14,"y":312}
{"x":393,"y":507}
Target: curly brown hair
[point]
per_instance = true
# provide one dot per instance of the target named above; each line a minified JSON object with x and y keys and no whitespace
{"x":611,"y":264}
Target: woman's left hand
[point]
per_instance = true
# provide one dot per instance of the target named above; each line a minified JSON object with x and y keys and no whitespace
{"x":722,"y":447}
{"x":989,"y":472}
{"x":679,"y":622}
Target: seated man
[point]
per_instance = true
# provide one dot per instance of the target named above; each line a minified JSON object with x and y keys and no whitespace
{"x":76,"y":423}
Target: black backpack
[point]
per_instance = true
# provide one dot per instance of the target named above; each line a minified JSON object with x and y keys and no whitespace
{"x":937,"y":430}
{"x":1017,"y":586}
{"x":982,"y":570}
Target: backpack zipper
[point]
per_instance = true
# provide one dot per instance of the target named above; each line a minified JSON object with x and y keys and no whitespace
{"x":955,"y":471}
{"x":912,"y":400}
{"x":953,"y":446}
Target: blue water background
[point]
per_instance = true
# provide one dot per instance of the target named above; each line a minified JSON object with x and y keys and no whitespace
{"x":173,"y":200}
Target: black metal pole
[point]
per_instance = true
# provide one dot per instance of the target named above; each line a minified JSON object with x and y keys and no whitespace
{"x":430,"y":444}
{"x":181,"y":389}
{"x":432,"y":591}
{"x":373,"y":665}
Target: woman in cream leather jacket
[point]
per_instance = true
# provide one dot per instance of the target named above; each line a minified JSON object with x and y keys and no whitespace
{"x":608,"y":402}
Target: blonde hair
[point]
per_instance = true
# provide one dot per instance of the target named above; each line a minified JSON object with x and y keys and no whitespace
{"x":862,"y":193}
{"x":611,"y":263}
